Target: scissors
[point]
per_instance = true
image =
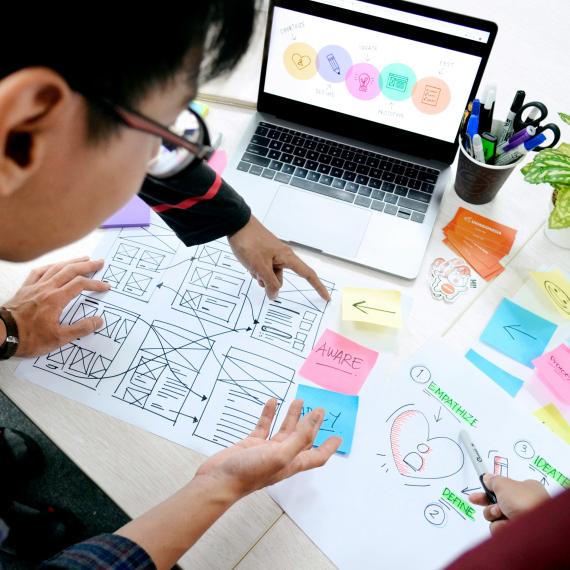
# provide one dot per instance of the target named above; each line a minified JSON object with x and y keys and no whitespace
{"x":535,"y":116}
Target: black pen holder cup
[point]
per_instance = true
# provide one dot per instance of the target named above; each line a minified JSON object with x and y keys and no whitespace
{"x":479,"y":183}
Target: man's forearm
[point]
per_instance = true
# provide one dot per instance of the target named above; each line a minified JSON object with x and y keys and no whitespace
{"x":168,"y":530}
{"x":3,"y":333}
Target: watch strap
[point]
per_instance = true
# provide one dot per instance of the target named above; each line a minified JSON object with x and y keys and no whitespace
{"x":10,"y":345}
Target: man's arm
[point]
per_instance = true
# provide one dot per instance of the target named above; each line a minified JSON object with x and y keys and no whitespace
{"x":200,"y":208}
{"x":168,"y":530}
{"x":203,"y":208}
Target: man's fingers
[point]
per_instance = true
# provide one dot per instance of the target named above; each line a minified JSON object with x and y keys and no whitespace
{"x":498,"y":525}
{"x":316,"y":456}
{"x":267,"y":276}
{"x":291,"y":419}
{"x":493,"y":513}
{"x":297,"y":265}
{"x":264,"y":423}
{"x":79,"y":329}
{"x":51,"y":270}
{"x":479,"y":499}
{"x":67,"y":273}
{"x":304,"y":435}
{"x":79,"y":284}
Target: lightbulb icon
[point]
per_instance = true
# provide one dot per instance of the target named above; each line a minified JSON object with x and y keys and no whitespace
{"x":364,"y":80}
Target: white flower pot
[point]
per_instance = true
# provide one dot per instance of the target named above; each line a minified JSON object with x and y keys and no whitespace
{"x":559,"y":237}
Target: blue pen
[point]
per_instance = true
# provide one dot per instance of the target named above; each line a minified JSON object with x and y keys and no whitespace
{"x":519,"y":151}
{"x":472,"y":125}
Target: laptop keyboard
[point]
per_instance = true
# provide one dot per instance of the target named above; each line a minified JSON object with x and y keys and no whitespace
{"x":343,"y":172}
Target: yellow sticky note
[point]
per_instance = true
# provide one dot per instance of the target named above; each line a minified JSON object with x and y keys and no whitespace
{"x":376,"y":306}
{"x":556,"y":287}
{"x":554,"y":420}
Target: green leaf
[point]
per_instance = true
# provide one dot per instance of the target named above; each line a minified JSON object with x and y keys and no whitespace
{"x":564,"y":148}
{"x":565,"y":118}
{"x":560,"y":216}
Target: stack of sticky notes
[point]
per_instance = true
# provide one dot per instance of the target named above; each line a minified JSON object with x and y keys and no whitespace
{"x":553,"y":368}
{"x":480,"y":241}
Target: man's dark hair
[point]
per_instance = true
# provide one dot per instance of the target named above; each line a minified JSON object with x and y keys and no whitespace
{"x":119,"y":52}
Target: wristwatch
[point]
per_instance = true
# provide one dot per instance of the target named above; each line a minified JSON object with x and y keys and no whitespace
{"x":10,"y":345}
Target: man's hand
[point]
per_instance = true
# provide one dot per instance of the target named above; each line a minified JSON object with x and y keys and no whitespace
{"x":256,"y":461}
{"x":37,"y":306}
{"x":513,"y":499}
{"x":265,"y":257}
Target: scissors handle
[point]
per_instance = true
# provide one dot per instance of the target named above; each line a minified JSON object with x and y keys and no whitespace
{"x":519,"y":123}
{"x":555,"y":135}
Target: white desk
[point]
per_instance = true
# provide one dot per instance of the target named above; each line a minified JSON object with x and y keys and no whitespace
{"x":137,"y":469}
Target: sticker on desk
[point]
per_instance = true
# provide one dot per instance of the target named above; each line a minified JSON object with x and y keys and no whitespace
{"x":556,"y":287}
{"x":340,"y":414}
{"x":553,"y":368}
{"x":376,"y":306}
{"x":449,"y":279}
{"x":518,"y":333}
{"x":338,"y":364}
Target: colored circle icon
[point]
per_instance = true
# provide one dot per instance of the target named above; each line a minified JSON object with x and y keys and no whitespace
{"x":300,"y":60}
{"x":397,"y":81}
{"x":431,"y":95}
{"x":333,"y":62}
{"x":362,"y":81}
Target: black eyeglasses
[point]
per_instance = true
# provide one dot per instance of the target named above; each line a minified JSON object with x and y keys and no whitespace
{"x":187,"y":141}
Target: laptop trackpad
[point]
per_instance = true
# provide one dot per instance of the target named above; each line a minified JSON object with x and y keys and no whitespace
{"x":318,"y":222}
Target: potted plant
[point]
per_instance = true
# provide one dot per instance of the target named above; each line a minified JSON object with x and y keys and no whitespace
{"x":552,"y":166}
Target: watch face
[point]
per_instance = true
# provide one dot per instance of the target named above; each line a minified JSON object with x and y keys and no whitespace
{"x":12,"y":339}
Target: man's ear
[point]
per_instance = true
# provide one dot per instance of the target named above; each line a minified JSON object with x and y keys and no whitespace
{"x":31,"y":102}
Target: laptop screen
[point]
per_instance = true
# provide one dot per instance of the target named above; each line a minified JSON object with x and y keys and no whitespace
{"x":384,"y":65}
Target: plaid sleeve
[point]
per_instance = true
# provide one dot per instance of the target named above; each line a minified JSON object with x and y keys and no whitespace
{"x":200,"y":207}
{"x":104,"y":552}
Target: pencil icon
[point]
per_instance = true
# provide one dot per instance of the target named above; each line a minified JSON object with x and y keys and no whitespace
{"x":333,"y":63}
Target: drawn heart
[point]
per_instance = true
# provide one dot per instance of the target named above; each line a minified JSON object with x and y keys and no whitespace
{"x":420,"y":456}
{"x":301,"y":61}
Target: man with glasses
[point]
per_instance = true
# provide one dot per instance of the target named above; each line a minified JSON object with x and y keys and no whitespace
{"x":93,"y":109}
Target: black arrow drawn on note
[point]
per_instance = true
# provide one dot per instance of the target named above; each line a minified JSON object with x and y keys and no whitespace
{"x":201,"y":396}
{"x":515,"y":328}
{"x":438,"y":417}
{"x":361,"y":306}
{"x":466,"y":490}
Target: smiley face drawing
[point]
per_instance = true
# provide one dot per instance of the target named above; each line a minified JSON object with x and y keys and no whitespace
{"x":559,"y":297}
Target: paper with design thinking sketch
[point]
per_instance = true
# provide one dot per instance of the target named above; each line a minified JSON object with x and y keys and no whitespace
{"x":400,"y":499}
{"x":191,"y":348}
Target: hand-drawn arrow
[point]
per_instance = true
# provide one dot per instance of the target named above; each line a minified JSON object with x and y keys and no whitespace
{"x":515,"y":328}
{"x":360,"y":306}
{"x":438,"y":417}
{"x":466,"y":490}
{"x":201,"y":396}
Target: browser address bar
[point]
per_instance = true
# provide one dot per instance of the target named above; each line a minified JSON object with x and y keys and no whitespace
{"x":411,"y":19}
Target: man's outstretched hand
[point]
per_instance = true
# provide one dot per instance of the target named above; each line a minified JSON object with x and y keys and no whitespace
{"x":265,"y":257}
{"x":38,"y":305}
{"x":257,"y":461}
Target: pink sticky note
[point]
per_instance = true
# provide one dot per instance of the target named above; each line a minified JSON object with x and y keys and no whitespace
{"x":338,"y":364}
{"x":218,"y":161}
{"x":553,"y":368}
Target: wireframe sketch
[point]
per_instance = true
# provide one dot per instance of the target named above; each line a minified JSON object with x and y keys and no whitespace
{"x":214,"y":287}
{"x":291,"y":321}
{"x":160,"y":377}
{"x":244,"y":383}
{"x":136,"y":259}
{"x":419,"y":455}
{"x":87,"y":361}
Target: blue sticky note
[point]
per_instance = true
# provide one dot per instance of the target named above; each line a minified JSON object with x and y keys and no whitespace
{"x":340,"y":416}
{"x":509,"y":383}
{"x":518,"y":333}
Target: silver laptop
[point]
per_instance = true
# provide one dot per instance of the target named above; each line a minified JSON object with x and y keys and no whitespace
{"x":359,"y":111}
